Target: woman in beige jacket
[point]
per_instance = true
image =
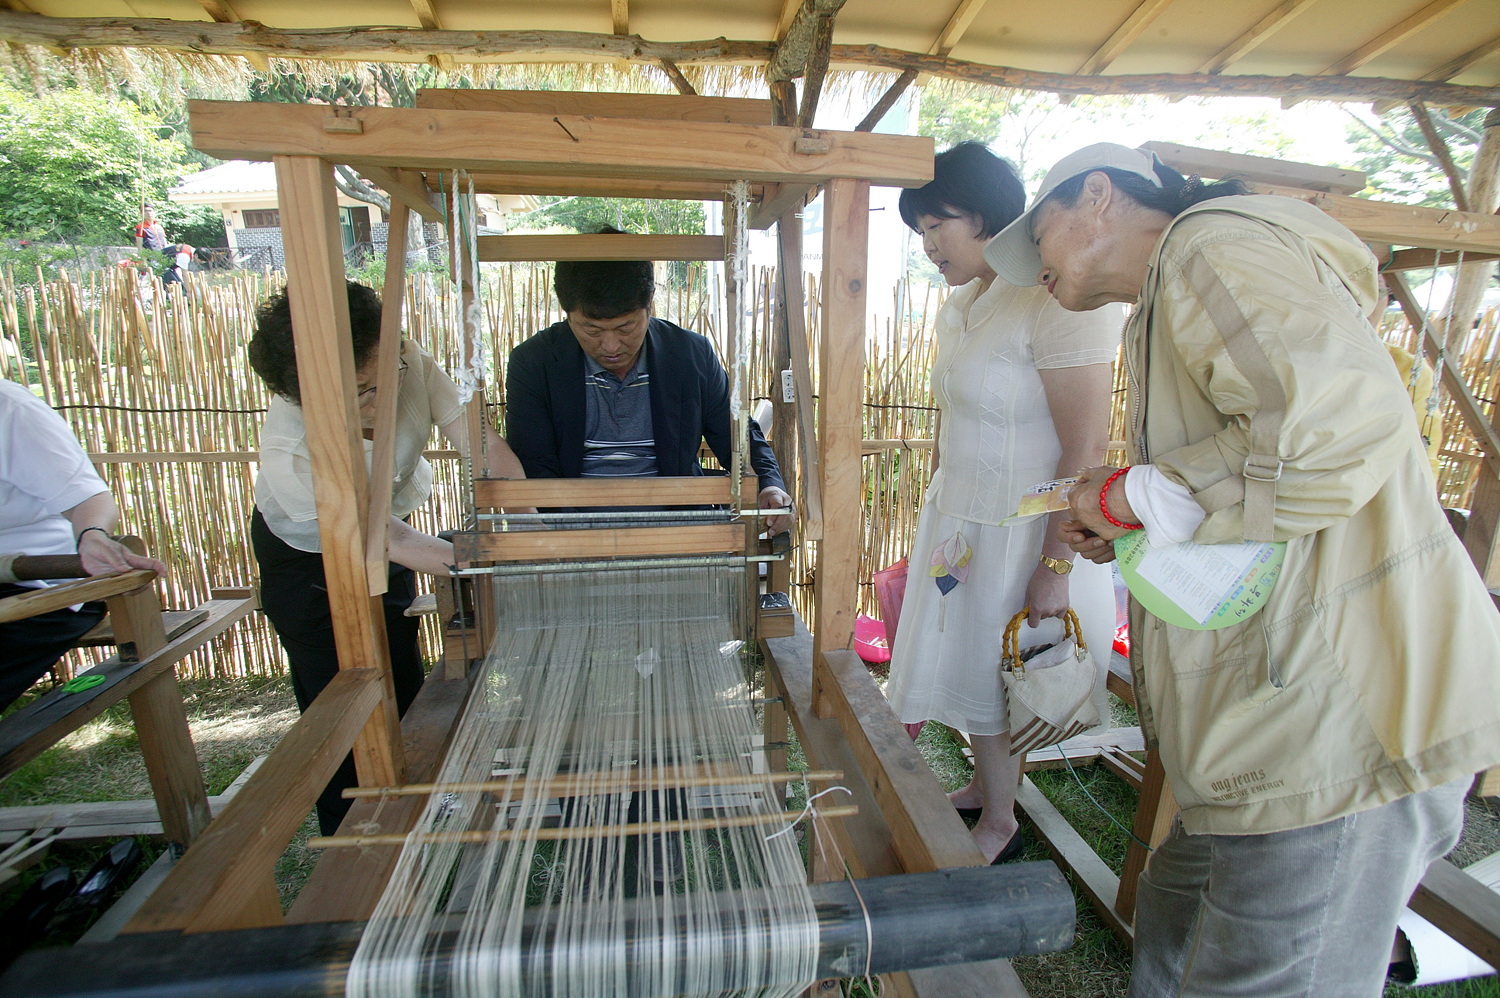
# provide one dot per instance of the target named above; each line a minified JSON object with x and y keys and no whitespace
{"x":1320,"y":750}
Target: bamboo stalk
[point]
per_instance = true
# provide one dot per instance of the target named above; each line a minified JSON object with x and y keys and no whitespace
{"x":570,"y":833}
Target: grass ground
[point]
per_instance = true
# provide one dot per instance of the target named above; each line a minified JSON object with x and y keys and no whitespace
{"x":233,"y":721}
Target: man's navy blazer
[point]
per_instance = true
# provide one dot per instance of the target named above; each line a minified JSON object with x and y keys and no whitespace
{"x":545,"y":406}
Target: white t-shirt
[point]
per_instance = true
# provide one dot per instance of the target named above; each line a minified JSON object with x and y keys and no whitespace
{"x":43,"y":471}
{"x":284,"y":486}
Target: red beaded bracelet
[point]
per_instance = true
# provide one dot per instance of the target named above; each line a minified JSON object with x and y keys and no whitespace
{"x":1104,"y":503}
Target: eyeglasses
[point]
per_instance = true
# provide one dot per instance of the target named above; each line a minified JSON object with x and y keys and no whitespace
{"x":369,"y":393}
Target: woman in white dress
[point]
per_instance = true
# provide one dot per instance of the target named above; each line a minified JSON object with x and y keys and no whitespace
{"x":1023,"y":390}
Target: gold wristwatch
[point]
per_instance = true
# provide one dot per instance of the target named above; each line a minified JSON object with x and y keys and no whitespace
{"x":1057,"y":565}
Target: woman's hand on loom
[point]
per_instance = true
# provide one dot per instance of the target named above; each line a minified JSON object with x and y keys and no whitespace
{"x":1046,"y":595}
{"x":101,"y":553}
{"x":418,"y":551}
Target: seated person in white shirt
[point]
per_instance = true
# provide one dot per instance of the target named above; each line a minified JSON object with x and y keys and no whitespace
{"x":284,"y":528}
{"x":52,"y":502}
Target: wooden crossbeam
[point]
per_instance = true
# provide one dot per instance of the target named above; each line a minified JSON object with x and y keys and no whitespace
{"x":600,"y":246}
{"x":590,"y":544}
{"x":37,"y":601}
{"x":1391,"y":37}
{"x":220,"y":882}
{"x":1422,"y":259}
{"x":599,"y":187}
{"x":533,"y":143}
{"x":1217,"y":164}
{"x":402,"y":187}
{"x":1129,"y":30}
{"x":660,"y":107}
{"x":695,"y":490}
{"x":1278,"y":18}
{"x":405,"y":45}
{"x":777,"y":200}
{"x":1399,"y":224}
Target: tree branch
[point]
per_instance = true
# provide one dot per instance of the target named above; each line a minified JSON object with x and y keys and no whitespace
{"x":1444,"y":155}
{"x":355,"y":187}
{"x":1392,"y":141}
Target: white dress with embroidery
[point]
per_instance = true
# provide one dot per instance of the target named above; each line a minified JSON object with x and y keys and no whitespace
{"x":996,"y":439}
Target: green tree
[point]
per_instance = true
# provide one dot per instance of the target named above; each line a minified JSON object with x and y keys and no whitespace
{"x":583,"y":214}
{"x":1397,"y":161}
{"x":75,"y":165}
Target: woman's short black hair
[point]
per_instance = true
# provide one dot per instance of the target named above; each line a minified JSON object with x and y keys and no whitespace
{"x":1175,"y":195}
{"x":273,"y":353}
{"x":968,"y":180}
{"x":604,"y":289}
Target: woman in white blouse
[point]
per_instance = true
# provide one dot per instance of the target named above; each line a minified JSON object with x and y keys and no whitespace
{"x":284,"y":527}
{"x":1023,"y":391}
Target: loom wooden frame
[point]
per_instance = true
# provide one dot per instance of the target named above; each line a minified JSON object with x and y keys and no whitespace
{"x":224,"y":880}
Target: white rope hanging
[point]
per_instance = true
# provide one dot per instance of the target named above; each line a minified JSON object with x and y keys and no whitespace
{"x":738,"y":267}
{"x":464,"y":247}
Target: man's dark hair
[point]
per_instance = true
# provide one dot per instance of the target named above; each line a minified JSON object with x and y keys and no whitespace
{"x":273,"y":354}
{"x":968,"y":180}
{"x":604,"y":289}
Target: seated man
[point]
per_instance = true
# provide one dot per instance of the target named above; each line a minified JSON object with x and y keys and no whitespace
{"x":51,"y":502}
{"x":612,"y":392}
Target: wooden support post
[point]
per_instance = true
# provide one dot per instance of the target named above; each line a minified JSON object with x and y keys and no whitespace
{"x":325,"y":373}
{"x":799,"y":358}
{"x":161,"y":722}
{"x":846,"y":227}
{"x":387,"y":388}
{"x":1153,"y":820}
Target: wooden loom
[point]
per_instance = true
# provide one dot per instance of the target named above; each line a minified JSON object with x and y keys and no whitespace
{"x":601,"y":144}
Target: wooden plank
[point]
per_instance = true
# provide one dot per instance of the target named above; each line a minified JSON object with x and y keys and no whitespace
{"x":619,"y":542}
{"x":991,"y":979}
{"x":863,"y":841}
{"x":1453,"y":67}
{"x":100,"y":819}
{"x":1402,"y":225}
{"x":540,"y":143}
{"x":1154,"y":813}
{"x":326,"y":376}
{"x":958,"y":23}
{"x":219,"y":882}
{"x":1086,"y":748}
{"x":1462,"y":907}
{"x":26,"y":733}
{"x":841,"y":368}
{"x":792,"y":303}
{"x":387,"y":390}
{"x":1217,"y":165}
{"x":37,"y":601}
{"x":174,"y":622}
{"x":1073,"y":854}
{"x":599,"y":246}
{"x":1145,"y":12}
{"x":661,"y":107}
{"x":346,"y":884}
{"x":161,"y":723}
{"x":777,"y":200}
{"x":926,"y":832}
{"x":663,"y":188}
{"x":1422,"y":259}
{"x":1488,"y":784}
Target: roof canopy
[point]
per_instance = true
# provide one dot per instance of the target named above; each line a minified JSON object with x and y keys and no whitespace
{"x":1440,"y":51}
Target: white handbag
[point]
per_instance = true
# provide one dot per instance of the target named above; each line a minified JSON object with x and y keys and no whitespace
{"x":1049,"y":688}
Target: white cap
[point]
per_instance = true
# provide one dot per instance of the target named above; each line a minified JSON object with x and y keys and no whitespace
{"x":1012,"y":253}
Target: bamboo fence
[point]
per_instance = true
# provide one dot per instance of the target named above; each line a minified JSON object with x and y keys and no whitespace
{"x":158,"y":391}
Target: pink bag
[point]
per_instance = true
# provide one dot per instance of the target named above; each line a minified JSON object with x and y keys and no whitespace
{"x":890,"y":588}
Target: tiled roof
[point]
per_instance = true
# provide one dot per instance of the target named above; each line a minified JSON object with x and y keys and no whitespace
{"x":238,"y":176}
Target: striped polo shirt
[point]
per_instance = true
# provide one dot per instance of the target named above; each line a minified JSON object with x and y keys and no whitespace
{"x":618,"y":441}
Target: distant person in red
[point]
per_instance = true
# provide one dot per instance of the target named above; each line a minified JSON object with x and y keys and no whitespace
{"x":149,"y":233}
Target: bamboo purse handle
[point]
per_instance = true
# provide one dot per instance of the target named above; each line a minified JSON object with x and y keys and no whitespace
{"x":1010,"y":645}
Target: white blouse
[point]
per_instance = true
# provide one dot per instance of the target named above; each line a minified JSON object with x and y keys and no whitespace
{"x":997,"y":436}
{"x":284,"y":486}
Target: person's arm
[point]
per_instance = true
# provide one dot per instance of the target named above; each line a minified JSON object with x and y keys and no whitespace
{"x":418,"y":551}
{"x":94,"y":522}
{"x":503,"y":460}
{"x":1078,"y":399}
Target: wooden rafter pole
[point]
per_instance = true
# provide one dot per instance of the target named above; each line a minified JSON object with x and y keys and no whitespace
{"x":1129,"y":30}
{"x":1391,"y":37}
{"x":1258,"y":32}
{"x":619,"y":16}
{"x":682,"y":83}
{"x":816,"y":73}
{"x":221,"y":11}
{"x":887,"y":101}
{"x":1453,"y":67}
{"x":963,"y":16}
{"x":1439,"y":147}
{"x":406,"y":45}
{"x":789,"y":58}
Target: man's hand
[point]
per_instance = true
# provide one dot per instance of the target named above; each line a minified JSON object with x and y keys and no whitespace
{"x":1085,"y":542}
{"x":101,"y":553}
{"x":773,"y":498}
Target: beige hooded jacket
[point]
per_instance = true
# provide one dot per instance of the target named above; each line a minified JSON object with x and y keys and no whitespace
{"x":1374,"y":669}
